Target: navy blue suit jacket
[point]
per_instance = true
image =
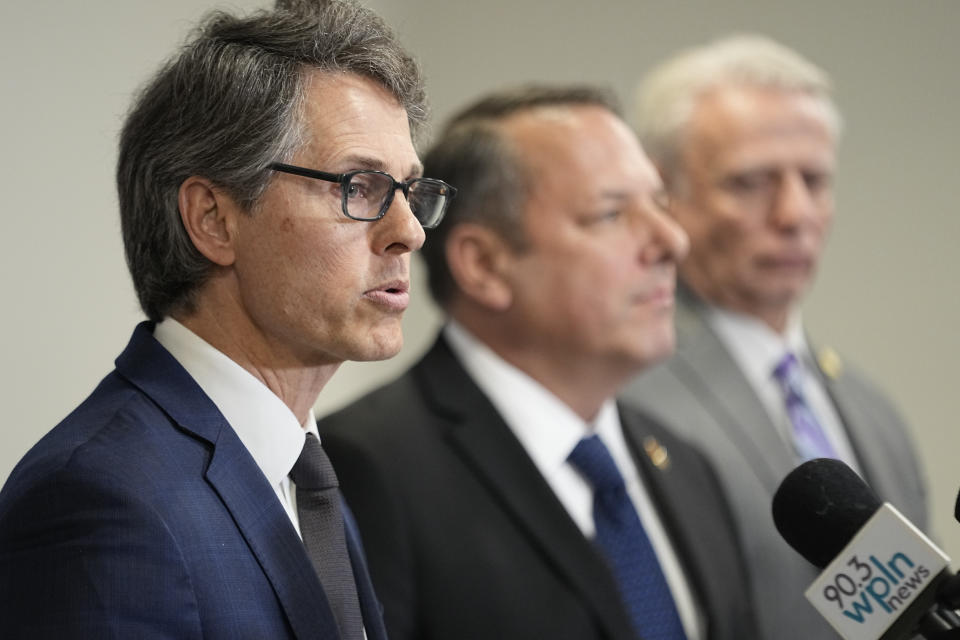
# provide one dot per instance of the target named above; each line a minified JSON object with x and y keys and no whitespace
{"x":142,"y":515}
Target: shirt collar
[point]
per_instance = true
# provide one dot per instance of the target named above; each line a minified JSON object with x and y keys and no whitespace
{"x":754,"y":345}
{"x":265,"y":425}
{"x":546,"y":427}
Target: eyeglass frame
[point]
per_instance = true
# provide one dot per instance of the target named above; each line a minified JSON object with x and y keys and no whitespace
{"x":344,"y":180}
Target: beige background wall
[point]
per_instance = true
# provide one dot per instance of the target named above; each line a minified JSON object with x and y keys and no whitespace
{"x":886,"y":299}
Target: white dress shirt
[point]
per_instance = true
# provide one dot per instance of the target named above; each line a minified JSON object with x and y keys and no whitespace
{"x":757,"y":350}
{"x":265,"y":425}
{"x":549,"y":430}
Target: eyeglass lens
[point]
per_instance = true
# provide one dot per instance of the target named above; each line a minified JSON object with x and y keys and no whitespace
{"x":368,"y":192}
{"x":428,"y":199}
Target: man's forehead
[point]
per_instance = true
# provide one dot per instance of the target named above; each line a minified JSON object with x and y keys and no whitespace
{"x":730,"y":109}
{"x":740,"y":121}
{"x":586,"y":153}
{"x":547,"y":135}
{"x":356,"y":122}
{"x":547,"y":120}
{"x":346,"y":100}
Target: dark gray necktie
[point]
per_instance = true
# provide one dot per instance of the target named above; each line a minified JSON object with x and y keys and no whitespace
{"x":321,"y":526}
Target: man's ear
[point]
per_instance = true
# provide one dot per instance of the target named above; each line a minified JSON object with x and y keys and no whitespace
{"x":478,"y":259}
{"x":209,"y":216}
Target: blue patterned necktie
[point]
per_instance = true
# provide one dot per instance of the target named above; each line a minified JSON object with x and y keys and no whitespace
{"x":809,"y":438}
{"x":623,"y":541}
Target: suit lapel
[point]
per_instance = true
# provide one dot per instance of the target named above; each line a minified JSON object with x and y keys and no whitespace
{"x":870,"y":452}
{"x":492,"y":452}
{"x":237,"y":479}
{"x":709,"y":371}
{"x":271,"y":536}
{"x":679,"y":507}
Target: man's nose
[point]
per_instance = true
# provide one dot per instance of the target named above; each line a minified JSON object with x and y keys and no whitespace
{"x":663,"y":238}
{"x":399,"y":231}
{"x":795,"y":201}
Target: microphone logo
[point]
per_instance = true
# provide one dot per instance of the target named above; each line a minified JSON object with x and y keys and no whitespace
{"x":890,"y":588}
{"x":885,"y":568}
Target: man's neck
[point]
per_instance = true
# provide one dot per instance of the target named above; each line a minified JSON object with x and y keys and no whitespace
{"x":296,"y":384}
{"x":776,"y":318}
{"x":582,"y":386}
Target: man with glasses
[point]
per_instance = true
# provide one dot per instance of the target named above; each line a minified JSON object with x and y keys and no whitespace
{"x":744,"y":133}
{"x":500,"y":490}
{"x":270,"y":197}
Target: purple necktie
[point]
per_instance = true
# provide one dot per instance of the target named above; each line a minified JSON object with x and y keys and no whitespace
{"x":809,"y":440}
{"x":623,"y":541}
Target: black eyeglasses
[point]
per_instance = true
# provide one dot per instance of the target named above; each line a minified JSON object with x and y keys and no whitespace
{"x":366,"y":195}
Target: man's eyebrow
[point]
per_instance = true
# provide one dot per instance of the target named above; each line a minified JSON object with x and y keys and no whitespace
{"x":619,"y":196}
{"x":369,"y":163}
{"x":614,"y":194}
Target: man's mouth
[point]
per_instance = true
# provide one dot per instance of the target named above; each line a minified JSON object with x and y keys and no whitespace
{"x":392,"y":296}
{"x":661,"y":295}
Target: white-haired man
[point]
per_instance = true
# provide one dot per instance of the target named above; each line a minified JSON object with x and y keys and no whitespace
{"x":744,"y":133}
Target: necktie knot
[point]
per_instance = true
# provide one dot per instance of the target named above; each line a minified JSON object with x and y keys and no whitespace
{"x":809,"y":439}
{"x":592,"y":458}
{"x":313,"y":470}
{"x":788,"y":375}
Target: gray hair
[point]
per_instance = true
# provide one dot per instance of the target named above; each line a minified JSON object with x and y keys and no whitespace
{"x":487,"y":169}
{"x":225,"y":107}
{"x":668,"y":94}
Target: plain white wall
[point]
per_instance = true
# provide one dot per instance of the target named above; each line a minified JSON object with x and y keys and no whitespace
{"x":886,"y":297}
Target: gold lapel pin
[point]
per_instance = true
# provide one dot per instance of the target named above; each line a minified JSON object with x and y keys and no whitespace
{"x":657,"y":453}
{"x":830,"y":363}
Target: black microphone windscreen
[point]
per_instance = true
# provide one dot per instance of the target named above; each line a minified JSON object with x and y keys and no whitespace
{"x":820,"y":506}
{"x":956,"y":508}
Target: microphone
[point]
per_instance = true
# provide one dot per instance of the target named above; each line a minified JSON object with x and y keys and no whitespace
{"x":956,"y":509}
{"x":882,"y":578}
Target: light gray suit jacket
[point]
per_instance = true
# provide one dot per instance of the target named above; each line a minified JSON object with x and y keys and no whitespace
{"x":702,"y":396}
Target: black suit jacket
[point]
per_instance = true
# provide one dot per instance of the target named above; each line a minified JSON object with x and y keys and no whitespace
{"x":465,"y":539}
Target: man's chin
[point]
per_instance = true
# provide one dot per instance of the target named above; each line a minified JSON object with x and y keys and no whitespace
{"x":655,"y":348}
{"x":661,"y":353}
{"x":785,"y":295}
{"x":380,"y":346}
